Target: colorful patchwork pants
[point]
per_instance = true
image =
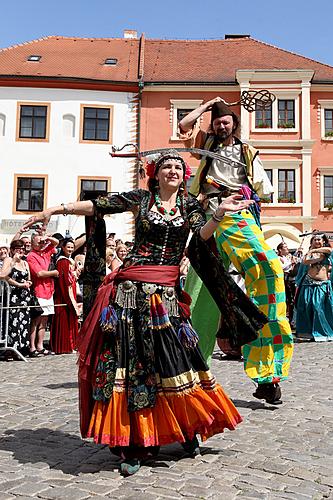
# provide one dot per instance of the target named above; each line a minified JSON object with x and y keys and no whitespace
{"x":239,"y":238}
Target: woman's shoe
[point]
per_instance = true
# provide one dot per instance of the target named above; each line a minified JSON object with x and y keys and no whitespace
{"x":33,"y":354}
{"x":271,"y":393}
{"x":43,"y":352}
{"x":191,"y":446}
{"x":130,"y":466}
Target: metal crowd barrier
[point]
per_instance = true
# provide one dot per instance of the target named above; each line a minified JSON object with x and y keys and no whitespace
{"x":4,"y":320}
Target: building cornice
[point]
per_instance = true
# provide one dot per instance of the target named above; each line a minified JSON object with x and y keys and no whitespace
{"x":267,"y":219}
{"x":190,"y":87}
{"x":277,"y":143}
{"x":273,"y":75}
{"x":68,"y":83}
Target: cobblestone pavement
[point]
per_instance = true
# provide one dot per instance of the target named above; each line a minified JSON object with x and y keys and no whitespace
{"x":277,"y":452}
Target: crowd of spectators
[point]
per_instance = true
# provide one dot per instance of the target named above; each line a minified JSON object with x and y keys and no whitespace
{"x":44,"y":274}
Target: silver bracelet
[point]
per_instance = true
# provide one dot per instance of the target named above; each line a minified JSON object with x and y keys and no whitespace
{"x":217,"y":218}
{"x":64,"y":206}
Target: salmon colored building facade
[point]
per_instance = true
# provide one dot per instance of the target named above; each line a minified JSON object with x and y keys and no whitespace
{"x":294,"y":137}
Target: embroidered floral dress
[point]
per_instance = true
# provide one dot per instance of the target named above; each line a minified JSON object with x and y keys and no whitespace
{"x":150,"y":383}
{"x":19,"y":319}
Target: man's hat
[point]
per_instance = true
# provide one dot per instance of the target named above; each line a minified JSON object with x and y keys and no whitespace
{"x":220,"y":109}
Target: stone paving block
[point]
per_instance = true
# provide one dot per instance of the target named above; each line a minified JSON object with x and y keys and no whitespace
{"x":9,"y":485}
{"x":226,"y":493}
{"x":253,"y":494}
{"x":196,"y":491}
{"x":170,"y":484}
{"x":69,"y":493}
{"x":137,"y":496}
{"x":325,"y":480}
{"x":162,"y":493}
{"x":98,"y":489}
{"x":309,"y":491}
{"x":303,"y":473}
{"x":29,"y":489}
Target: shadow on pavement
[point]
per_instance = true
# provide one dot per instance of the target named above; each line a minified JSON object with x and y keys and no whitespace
{"x":72,"y":455}
{"x":65,"y":385}
{"x":60,"y":450}
{"x":253,"y":405}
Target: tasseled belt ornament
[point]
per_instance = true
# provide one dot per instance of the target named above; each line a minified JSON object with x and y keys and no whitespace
{"x":126,"y":295}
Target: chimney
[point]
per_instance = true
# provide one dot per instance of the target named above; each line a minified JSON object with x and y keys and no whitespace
{"x":130,"y":34}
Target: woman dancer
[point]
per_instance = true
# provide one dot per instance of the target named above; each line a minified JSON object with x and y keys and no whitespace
{"x":314,"y":302}
{"x":64,"y":329}
{"x":143,"y":380}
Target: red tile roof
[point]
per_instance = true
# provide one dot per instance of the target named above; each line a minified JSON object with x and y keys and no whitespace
{"x":183,"y":61}
{"x":218,"y":60}
{"x":79,"y":58}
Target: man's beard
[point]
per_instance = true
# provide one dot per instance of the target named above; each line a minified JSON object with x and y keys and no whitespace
{"x":223,"y":135}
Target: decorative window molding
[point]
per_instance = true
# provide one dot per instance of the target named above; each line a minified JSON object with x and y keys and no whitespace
{"x":325,"y":104}
{"x":175,"y":106}
{"x":281,"y":95}
{"x":97,"y":125}
{"x":24,"y":191}
{"x":30,"y":127}
{"x":96,"y":185}
{"x":68,"y":125}
{"x":275,"y":166}
{"x":2,"y":125}
{"x":324,"y":172}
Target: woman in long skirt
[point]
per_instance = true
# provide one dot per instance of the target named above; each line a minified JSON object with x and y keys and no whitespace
{"x":143,"y":380}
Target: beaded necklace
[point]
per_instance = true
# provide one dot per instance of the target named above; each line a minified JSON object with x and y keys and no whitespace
{"x":163,"y":210}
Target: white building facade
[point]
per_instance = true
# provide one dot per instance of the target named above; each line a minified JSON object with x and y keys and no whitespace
{"x":54,"y":148}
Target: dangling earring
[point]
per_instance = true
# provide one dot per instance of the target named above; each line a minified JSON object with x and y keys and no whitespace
{"x":182,"y":187}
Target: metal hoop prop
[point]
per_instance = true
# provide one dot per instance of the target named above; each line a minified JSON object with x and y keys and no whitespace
{"x":249,"y":99}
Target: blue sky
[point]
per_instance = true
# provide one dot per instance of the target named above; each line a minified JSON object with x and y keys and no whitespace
{"x":294,"y":25}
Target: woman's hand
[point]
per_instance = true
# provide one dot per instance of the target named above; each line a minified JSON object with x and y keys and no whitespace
{"x":39,"y":217}
{"x":234,"y":203}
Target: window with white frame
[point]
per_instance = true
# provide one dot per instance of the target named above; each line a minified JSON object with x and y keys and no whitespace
{"x":281,"y":116}
{"x":285,"y":179}
{"x":178,"y":109}
{"x":326,"y":188}
{"x":326,"y":119}
{"x":328,"y":191}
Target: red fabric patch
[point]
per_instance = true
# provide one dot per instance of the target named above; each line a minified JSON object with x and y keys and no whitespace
{"x":277,"y":339}
{"x":271,"y":298}
{"x":261,"y":256}
{"x":242,"y":223}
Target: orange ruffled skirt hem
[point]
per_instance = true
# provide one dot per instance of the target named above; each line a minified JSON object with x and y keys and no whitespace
{"x":175,"y":417}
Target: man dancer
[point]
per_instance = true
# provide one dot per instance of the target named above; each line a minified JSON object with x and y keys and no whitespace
{"x":240,"y":242}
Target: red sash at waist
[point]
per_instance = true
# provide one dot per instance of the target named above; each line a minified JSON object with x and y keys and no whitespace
{"x":160,"y":275}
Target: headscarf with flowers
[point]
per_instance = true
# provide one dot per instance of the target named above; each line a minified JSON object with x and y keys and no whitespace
{"x":155,"y":161}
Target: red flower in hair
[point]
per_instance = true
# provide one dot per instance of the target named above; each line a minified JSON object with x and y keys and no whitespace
{"x":188,"y":172}
{"x":150,"y":169}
